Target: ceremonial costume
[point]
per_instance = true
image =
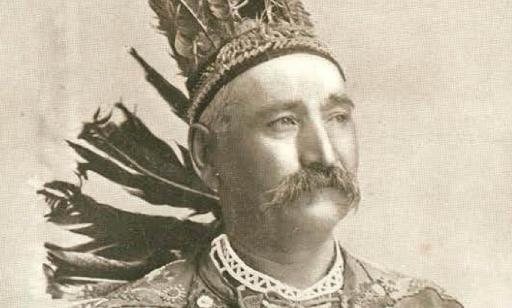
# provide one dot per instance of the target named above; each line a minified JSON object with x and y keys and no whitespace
{"x":221,"y":279}
{"x":137,"y":260}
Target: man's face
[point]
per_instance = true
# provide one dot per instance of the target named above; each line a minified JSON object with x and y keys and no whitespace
{"x":291,"y":113}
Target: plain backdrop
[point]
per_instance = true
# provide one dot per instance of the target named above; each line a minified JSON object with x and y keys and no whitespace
{"x":432,"y":81}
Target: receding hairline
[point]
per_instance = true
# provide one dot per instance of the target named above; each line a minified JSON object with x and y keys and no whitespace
{"x":229,"y":93}
{"x":251,"y":73}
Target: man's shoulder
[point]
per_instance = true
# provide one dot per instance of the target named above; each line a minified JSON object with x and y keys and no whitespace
{"x":365,"y":285}
{"x":167,"y":286}
{"x":370,"y":284}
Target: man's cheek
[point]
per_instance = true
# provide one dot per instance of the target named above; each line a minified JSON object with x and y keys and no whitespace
{"x":346,"y":150}
{"x":275,"y":161}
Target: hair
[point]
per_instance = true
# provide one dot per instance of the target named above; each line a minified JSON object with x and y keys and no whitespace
{"x":312,"y":177}
{"x":217,"y":116}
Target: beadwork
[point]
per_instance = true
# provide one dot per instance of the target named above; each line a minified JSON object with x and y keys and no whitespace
{"x":227,"y":261}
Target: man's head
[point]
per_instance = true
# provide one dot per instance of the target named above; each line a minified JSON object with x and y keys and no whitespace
{"x":279,"y":145}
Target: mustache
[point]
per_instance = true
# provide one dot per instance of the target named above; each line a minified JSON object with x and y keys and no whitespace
{"x":311,"y":178}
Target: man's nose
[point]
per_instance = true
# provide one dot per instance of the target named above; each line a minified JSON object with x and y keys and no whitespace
{"x":315,"y":145}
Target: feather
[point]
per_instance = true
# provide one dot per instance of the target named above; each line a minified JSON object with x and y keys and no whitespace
{"x":124,"y":246}
{"x":173,"y":96}
{"x":220,"y":9}
{"x":113,"y":230}
{"x":181,"y":22}
{"x":73,"y":264}
{"x":188,"y":22}
{"x":76,"y":288}
{"x":191,"y":31}
{"x":137,"y":159}
{"x":147,"y":185}
{"x":167,"y":12}
{"x":297,"y":13}
{"x":224,"y":15}
{"x":184,"y":45}
{"x":253,"y":9}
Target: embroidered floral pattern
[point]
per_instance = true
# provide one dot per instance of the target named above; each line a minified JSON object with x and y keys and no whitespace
{"x":369,"y":295}
{"x":398,"y":291}
{"x":204,"y":301}
{"x":427,"y":297}
{"x":201,"y":296}
{"x":179,"y":286}
{"x":174,"y":294}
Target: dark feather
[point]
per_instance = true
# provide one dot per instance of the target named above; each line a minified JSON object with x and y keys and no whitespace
{"x":181,"y":23}
{"x":150,"y":187}
{"x":137,"y":159}
{"x":75,"y":288}
{"x":188,"y":21}
{"x":166,"y":13}
{"x":223,"y":14}
{"x":124,"y":246}
{"x":113,"y":229}
{"x":173,"y":96}
{"x":80,"y":264}
{"x":220,"y":9}
{"x":297,"y":13}
{"x":254,"y":9}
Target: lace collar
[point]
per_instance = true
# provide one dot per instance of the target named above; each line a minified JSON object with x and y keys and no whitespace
{"x":228,"y":262}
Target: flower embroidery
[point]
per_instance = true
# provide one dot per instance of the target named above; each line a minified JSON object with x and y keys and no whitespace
{"x":418,"y":284}
{"x":427,"y":297}
{"x":370,"y":295}
{"x":174,"y":294}
{"x":204,"y":301}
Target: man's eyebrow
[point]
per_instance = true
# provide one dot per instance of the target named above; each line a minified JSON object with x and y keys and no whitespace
{"x":333,"y":100}
{"x":282,"y":106}
{"x":336,"y":99}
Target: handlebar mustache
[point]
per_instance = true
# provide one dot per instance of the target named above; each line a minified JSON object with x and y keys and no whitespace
{"x":310,"y":178}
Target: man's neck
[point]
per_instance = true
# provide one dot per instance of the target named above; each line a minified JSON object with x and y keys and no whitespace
{"x":297,"y":264}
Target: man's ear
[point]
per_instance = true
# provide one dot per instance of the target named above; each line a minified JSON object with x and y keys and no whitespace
{"x":201,"y":141}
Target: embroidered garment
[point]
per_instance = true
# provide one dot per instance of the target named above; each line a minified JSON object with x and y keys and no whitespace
{"x":199,"y":283}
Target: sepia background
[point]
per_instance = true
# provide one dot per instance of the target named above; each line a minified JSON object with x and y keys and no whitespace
{"x":432,"y":81}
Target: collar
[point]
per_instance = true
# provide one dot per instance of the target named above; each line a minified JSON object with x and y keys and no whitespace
{"x":231,"y":266}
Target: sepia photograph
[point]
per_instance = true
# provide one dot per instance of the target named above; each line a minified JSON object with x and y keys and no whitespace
{"x":256,"y":154}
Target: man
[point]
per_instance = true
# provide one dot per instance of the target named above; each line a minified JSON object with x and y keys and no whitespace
{"x":272,"y":135}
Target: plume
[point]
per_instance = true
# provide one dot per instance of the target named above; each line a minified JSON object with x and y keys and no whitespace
{"x":220,"y":9}
{"x":297,"y":13}
{"x":180,"y":20}
{"x":123,"y":245}
{"x":135,"y":158}
{"x":178,"y":101}
{"x":197,"y":29}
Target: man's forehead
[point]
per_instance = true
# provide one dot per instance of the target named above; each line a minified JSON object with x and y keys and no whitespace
{"x":291,"y":78}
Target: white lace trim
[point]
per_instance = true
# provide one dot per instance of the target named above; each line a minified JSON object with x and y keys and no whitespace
{"x":232,"y":264}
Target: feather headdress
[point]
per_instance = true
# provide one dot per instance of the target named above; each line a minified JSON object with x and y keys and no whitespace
{"x":212,"y":41}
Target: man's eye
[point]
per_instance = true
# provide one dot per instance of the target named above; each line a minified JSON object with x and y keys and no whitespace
{"x":340,"y":117}
{"x":283,"y":122}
